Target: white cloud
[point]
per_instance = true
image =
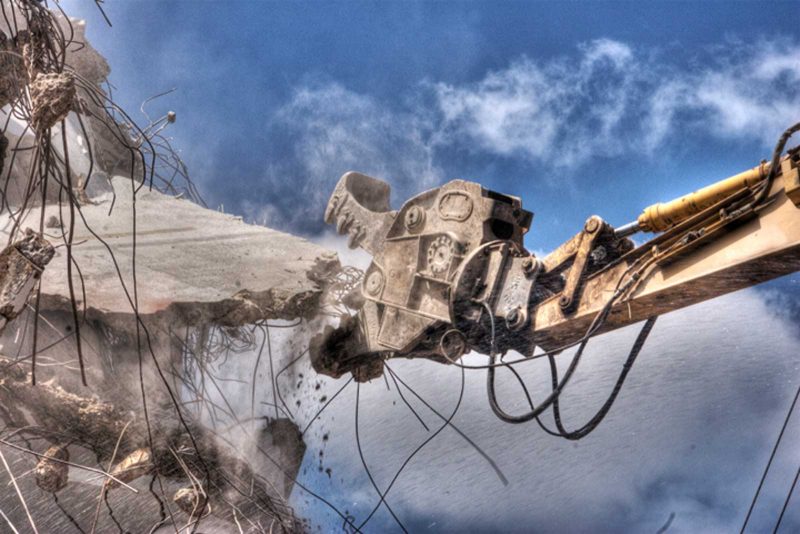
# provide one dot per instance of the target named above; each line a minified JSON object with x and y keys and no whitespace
{"x":610,"y":98}
{"x":749,"y":93}
{"x":333,"y":130}
{"x":746,"y":92}
{"x":749,"y":99}
{"x":607,"y":99}
{"x":556,"y":111}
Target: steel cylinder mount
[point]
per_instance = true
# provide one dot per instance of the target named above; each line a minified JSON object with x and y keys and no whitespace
{"x":489,"y":300}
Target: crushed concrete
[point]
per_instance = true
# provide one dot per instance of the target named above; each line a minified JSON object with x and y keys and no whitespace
{"x":195,"y":267}
{"x":52,"y":98}
{"x":283,"y":442}
{"x":181,"y":267}
{"x":21,"y":265}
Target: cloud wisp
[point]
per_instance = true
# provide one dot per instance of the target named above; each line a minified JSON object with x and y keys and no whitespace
{"x":562,"y":111}
{"x":612,"y":99}
{"x":330,"y":130}
{"x":608,"y":99}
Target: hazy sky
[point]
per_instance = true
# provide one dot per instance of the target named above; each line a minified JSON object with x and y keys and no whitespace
{"x":578,"y":108}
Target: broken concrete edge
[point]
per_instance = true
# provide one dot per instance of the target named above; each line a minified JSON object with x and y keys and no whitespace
{"x":194,"y":266}
{"x":67,"y":419}
{"x":35,"y":248}
{"x":59,"y":410}
{"x":243,"y":308}
{"x":21,"y":265}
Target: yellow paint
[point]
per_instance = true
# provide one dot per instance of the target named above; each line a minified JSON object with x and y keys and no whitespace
{"x":659,"y":217}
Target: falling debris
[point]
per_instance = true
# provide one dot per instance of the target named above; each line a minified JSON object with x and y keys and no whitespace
{"x":135,"y":465}
{"x":191,"y":501}
{"x":52,"y":471}
{"x":21,"y":266}
{"x":52,"y":98}
{"x":122,"y":299}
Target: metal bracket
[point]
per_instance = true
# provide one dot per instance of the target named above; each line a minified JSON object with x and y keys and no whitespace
{"x":791,"y":180}
{"x":586,"y":243}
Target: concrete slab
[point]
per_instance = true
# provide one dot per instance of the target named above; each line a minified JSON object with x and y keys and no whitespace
{"x":199,"y":264}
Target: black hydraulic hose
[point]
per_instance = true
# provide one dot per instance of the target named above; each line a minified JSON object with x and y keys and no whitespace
{"x":597,"y":322}
{"x":593,"y":423}
{"x":776,"y":156}
{"x":536,"y":411}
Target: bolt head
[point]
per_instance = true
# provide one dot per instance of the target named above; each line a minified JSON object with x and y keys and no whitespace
{"x":374,"y":283}
{"x":415,"y":217}
{"x":515,"y":318}
{"x":592,"y":225}
{"x":531,"y":266}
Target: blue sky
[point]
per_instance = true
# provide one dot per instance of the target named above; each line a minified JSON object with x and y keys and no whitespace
{"x":579,"y":108}
{"x":260,"y":84}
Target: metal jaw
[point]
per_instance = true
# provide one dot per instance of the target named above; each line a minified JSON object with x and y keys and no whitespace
{"x":450,"y":273}
{"x":359,"y":207}
{"x":425,"y":292}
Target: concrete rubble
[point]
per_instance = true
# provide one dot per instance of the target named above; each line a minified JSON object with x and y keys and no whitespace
{"x":152,"y":276}
{"x":182,"y":284}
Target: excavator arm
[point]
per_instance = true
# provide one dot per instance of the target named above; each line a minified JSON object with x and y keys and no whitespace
{"x":450,"y":273}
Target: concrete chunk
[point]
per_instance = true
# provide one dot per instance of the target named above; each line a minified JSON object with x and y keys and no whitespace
{"x":199,"y":265}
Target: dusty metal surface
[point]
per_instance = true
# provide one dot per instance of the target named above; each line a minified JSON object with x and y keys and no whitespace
{"x":757,"y":250}
{"x":451,"y":273}
{"x":417,"y":253}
